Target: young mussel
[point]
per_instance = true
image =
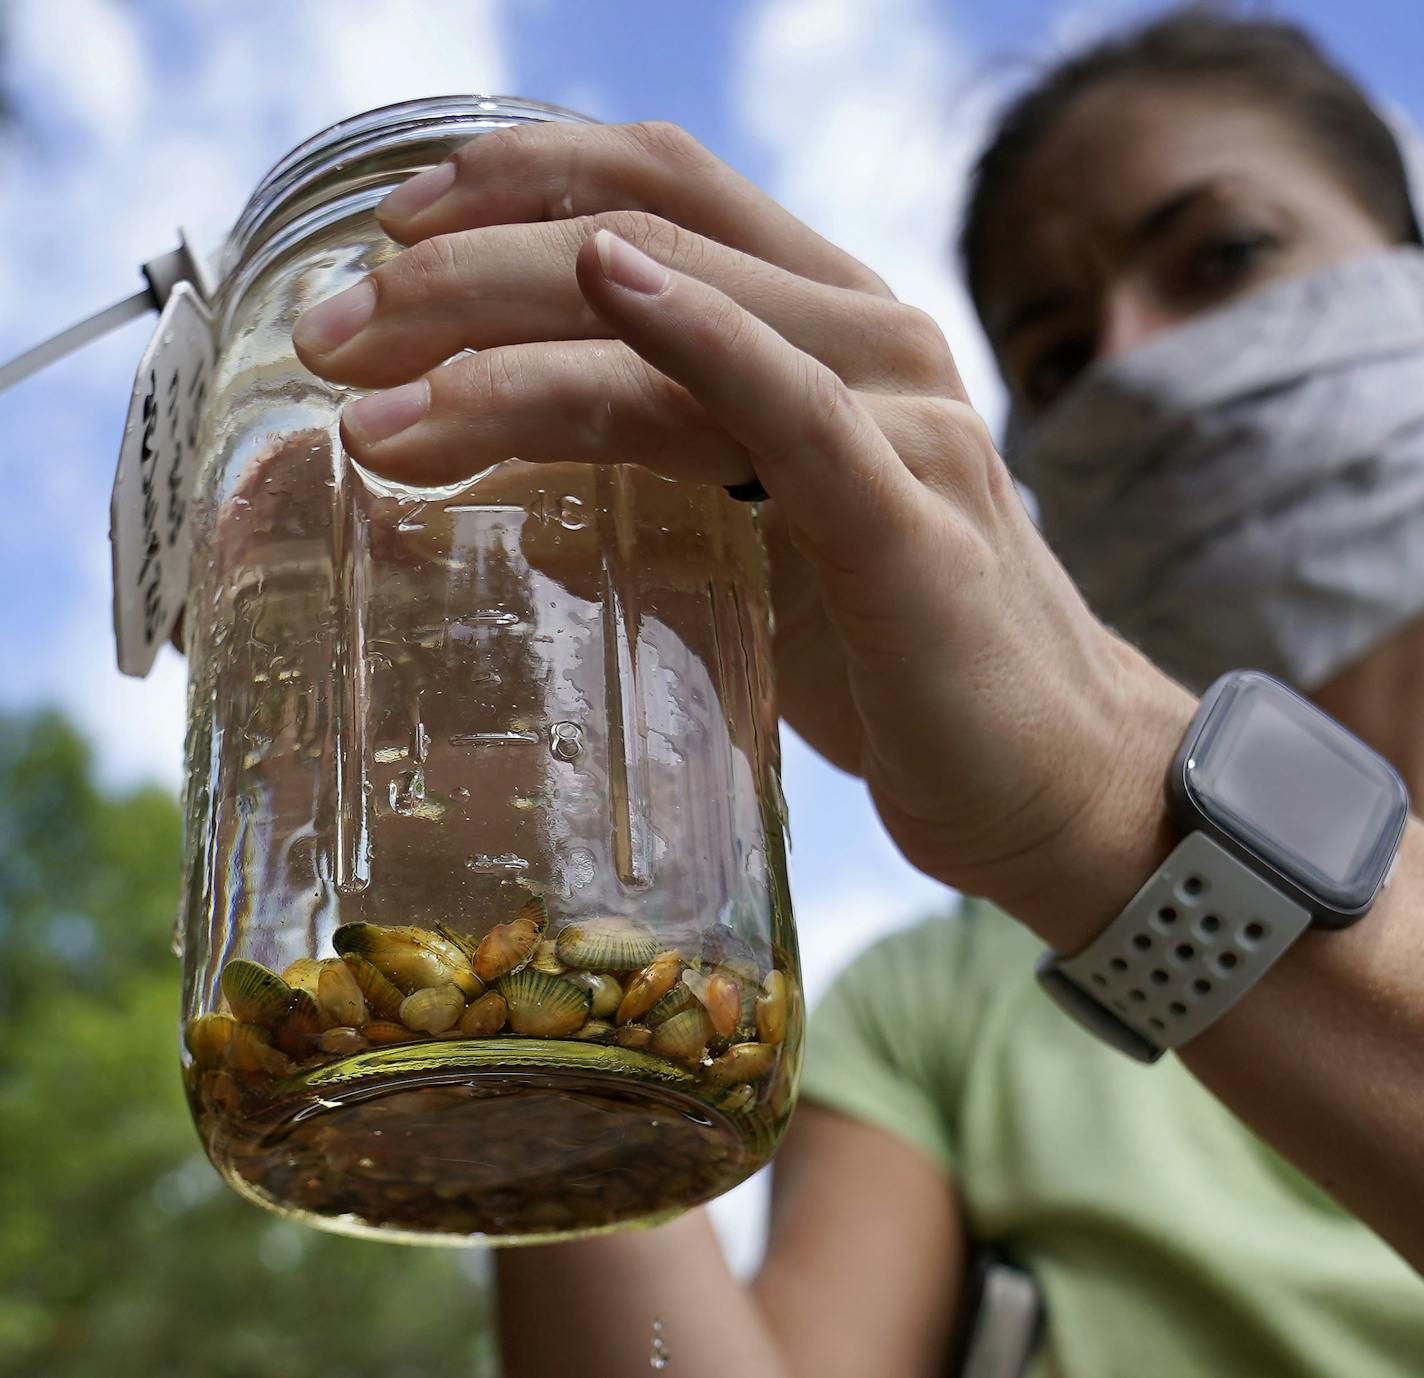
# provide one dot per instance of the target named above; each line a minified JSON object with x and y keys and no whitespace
{"x":600,"y":995}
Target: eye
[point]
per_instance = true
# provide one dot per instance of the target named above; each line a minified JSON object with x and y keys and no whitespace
{"x":1054,"y":369}
{"x":1228,"y":259}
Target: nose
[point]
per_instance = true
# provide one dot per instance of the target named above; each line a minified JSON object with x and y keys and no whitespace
{"x":1131,"y":314}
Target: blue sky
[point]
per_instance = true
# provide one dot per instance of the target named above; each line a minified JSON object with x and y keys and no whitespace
{"x":139,"y":115}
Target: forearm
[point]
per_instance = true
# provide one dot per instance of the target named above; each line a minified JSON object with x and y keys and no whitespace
{"x":591,"y":1305}
{"x":1325,"y":1058}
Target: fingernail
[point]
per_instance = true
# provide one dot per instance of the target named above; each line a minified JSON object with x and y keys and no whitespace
{"x":329,"y":325}
{"x":421,"y":192}
{"x":384,"y":414}
{"x":630,"y":267}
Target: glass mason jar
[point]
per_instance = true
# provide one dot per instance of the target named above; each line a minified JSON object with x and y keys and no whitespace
{"x":486,"y":930}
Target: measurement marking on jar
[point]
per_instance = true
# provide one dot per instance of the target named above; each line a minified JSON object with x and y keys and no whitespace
{"x":627,"y":728}
{"x":506,"y":863}
{"x":488,"y":617}
{"x":483,"y":507}
{"x":515,"y":738}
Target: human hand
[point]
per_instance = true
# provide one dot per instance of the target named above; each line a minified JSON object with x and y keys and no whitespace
{"x":926,"y":638}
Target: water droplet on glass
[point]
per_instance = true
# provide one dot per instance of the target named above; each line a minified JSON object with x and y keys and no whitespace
{"x":566,"y":740}
{"x":659,"y":1358}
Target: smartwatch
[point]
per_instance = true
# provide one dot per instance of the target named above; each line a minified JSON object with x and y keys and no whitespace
{"x":1289,"y":821}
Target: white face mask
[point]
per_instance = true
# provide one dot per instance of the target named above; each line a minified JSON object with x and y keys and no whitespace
{"x":1247,"y":489}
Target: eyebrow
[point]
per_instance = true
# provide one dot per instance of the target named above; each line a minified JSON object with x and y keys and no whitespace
{"x":1151,"y":227}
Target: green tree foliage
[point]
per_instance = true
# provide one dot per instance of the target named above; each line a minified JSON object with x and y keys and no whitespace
{"x":121,"y":1251}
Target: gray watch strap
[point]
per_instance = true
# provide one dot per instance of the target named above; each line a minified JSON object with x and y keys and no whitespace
{"x":1192,"y":942}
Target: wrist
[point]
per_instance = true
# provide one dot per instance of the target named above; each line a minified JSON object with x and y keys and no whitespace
{"x":1086,"y":874}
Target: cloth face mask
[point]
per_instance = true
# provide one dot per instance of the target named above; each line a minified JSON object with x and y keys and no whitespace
{"x":1247,"y":489}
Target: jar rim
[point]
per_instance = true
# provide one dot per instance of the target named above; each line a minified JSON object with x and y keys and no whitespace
{"x":378,"y":129}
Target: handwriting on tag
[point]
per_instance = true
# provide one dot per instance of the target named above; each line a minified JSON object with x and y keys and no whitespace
{"x":149,"y":517}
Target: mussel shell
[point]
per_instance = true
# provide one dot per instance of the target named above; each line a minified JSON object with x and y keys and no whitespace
{"x":543,"y":1006}
{"x":735,"y":1100}
{"x":381,"y":1032}
{"x":546,"y":959}
{"x":301,"y":1028}
{"x":720,"y":995}
{"x":506,"y":948}
{"x":742,"y":1062}
{"x":410,"y":958}
{"x":208,"y":1036}
{"x":342,"y":1041}
{"x":771,"y":1008}
{"x":383,"y":996}
{"x":220,"y":1091}
{"x":255,"y":995}
{"x":434,"y":1009}
{"x":595,"y":1031}
{"x":486,"y":1016}
{"x":606,"y":944}
{"x":464,"y":941}
{"x":249,"y":1050}
{"x":649,"y":986}
{"x":636,"y":1036}
{"x":339,"y":998}
{"x":604,"y":992}
{"x":678,"y":999}
{"x":303,"y":973}
{"x":684,"y":1036}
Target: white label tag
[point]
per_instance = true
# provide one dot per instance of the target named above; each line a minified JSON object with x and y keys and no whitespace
{"x":149,"y":521}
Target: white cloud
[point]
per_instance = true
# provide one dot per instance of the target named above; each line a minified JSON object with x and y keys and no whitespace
{"x":871,"y":115}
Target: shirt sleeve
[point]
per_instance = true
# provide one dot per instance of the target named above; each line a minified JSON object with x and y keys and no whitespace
{"x":884,"y":1045}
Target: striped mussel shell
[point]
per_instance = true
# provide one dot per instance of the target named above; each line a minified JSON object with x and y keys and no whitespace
{"x":678,"y":999}
{"x":301,"y":1027}
{"x":381,"y":995}
{"x":685,"y":1036}
{"x":543,"y":1006}
{"x":606,"y":944}
{"x":254,"y":994}
{"x":410,"y":958}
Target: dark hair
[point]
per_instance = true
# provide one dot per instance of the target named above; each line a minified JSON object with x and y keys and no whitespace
{"x":1276,"y":62}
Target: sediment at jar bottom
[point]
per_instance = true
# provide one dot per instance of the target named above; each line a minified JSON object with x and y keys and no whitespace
{"x":503,"y":1141}
{"x":429,"y":1082}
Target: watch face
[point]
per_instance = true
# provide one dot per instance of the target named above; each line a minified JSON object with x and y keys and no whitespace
{"x":1290,"y":785}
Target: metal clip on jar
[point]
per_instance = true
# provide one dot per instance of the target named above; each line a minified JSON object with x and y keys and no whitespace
{"x":486,"y":932}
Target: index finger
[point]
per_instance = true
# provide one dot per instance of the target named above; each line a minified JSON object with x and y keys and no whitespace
{"x":558,"y":171}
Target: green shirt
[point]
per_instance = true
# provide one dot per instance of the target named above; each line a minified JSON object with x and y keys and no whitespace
{"x":1168,"y":1241}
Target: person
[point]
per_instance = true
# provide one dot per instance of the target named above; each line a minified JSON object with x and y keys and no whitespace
{"x":1201,"y":198}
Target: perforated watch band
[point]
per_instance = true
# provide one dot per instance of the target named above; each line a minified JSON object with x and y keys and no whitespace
{"x":1191,"y":943}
